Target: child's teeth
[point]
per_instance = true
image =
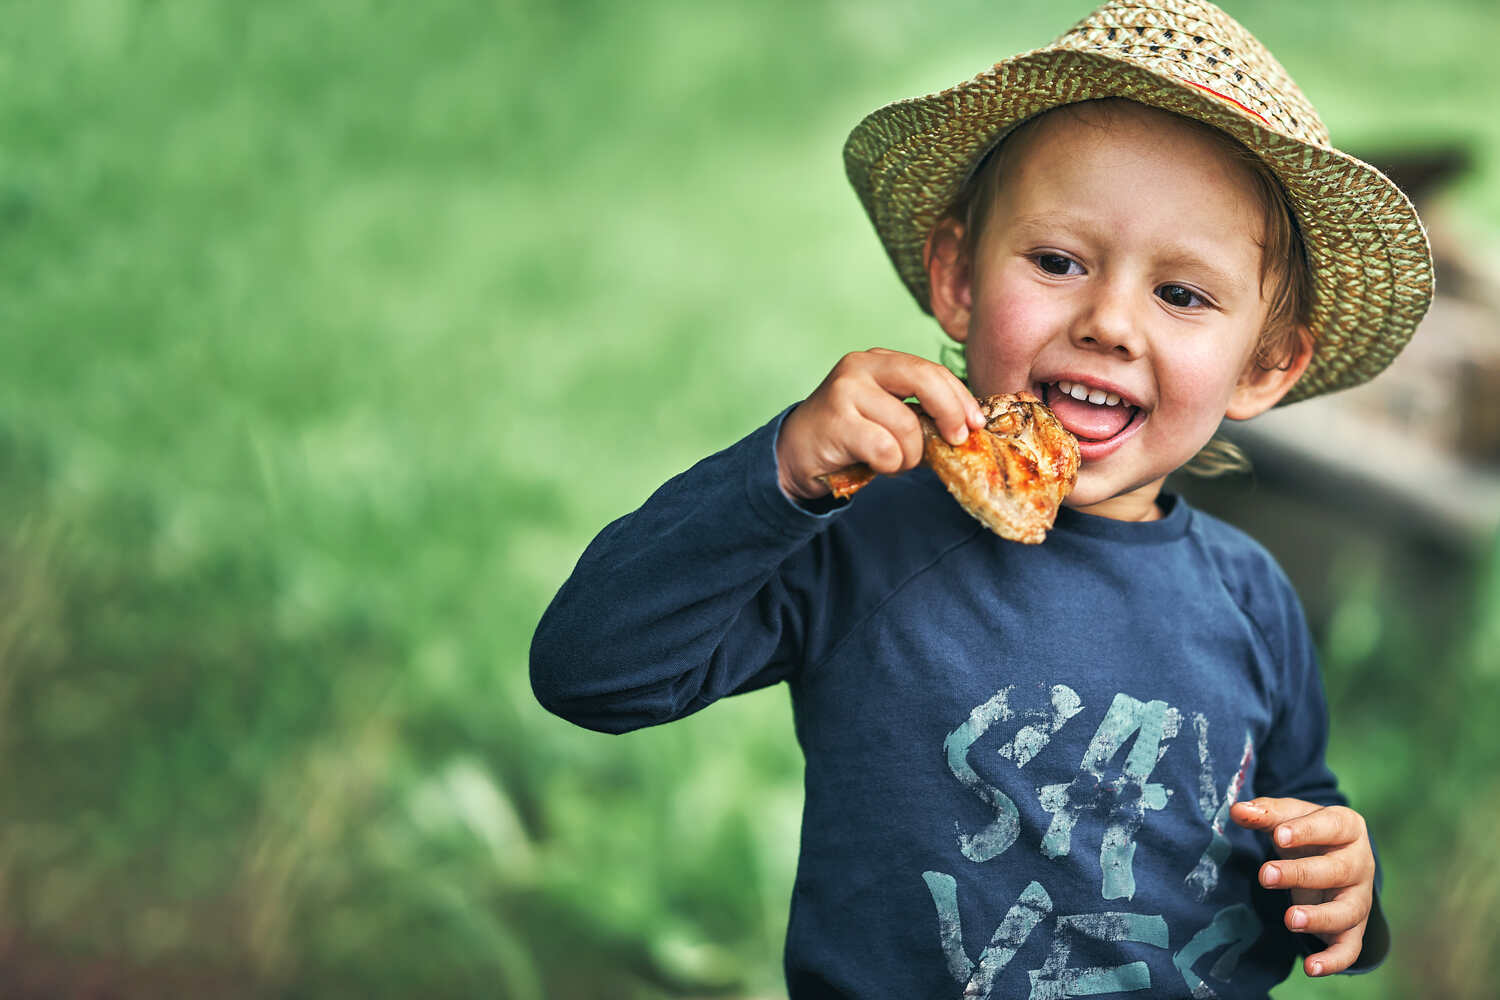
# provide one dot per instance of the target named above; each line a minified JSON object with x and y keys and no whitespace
{"x":1083,"y":394}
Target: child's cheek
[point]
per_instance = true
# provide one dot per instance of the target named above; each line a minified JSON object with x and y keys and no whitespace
{"x":1194,"y":394}
{"x":1200,"y":384}
{"x":1009,"y":329}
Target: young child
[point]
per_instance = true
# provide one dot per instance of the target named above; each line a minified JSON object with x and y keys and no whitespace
{"x":1094,"y":765}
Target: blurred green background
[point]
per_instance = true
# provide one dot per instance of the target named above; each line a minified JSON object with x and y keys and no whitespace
{"x":334,"y":329}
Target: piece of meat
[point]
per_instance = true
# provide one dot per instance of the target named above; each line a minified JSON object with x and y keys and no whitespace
{"x":1011,"y":477}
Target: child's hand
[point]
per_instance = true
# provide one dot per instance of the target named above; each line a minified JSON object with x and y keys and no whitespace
{"x":1329,"y":867}
{"x":857,"y":415}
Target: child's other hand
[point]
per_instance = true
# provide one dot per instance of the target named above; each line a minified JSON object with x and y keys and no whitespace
{"x":1328,"y":865}
{"x":857,"y":415}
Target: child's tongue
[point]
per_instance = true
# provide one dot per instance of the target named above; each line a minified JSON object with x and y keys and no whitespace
{"x":1093,"y":422}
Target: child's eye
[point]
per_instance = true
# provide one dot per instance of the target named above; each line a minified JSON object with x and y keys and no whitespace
{"x":1180,"y":296}
{"x":1056,"y":263}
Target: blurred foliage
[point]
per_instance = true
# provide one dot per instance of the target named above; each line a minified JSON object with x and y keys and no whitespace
{"x":1409,"y":675}
{"x":335,"y":328}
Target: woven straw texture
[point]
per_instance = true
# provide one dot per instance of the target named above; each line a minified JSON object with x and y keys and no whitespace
{"x":1369,"y":253}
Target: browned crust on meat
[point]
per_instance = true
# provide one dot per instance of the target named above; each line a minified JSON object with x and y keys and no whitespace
{"x":1011,"y":477}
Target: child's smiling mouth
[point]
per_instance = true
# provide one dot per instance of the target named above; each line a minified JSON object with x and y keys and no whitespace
{"x":1099,"y":418}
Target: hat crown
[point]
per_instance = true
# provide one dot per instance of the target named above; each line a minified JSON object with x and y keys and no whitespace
{"x":1199,"y":44}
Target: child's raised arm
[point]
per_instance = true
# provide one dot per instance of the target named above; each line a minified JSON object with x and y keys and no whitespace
{"x":704,"y":591}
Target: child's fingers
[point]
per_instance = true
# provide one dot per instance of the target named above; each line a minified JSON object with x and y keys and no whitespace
{"x":1333,"y":870}
{"x":890,"y":438}
{"x":1349,"y":908}
{"x":1331,"y":825}
{"x":1327,"y":864}
{"x":942,"y":395}
{"x":950,"y":405}
{"x":967,"y":405}
{"x":1265,"y":812}
{"x":1338,"y":956}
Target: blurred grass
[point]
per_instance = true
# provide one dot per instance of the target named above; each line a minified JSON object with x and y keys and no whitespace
{"x":334,"y":329}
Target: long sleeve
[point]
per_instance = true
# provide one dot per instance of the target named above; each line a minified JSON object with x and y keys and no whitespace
{"x":1294,"y":765}
{"x":683,"y":601}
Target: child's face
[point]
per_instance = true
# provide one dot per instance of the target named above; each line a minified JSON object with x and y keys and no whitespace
{"x":1121,"y":256}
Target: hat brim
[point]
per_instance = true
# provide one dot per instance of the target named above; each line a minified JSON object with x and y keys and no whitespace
{"x":1371,"y":264}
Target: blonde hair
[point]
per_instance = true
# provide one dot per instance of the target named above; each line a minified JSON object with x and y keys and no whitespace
{"x":1286,"y":277}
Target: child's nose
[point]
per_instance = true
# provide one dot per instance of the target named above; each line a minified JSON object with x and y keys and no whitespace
{"x":1110,"y":324}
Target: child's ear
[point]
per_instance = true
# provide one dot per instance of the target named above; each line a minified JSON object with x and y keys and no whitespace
{"x":1261,"y":387}
{"x":948,"y":278}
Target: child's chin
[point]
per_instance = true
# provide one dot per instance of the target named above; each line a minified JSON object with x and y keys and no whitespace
{"x":1094,"y":485}
{"x":1083,"y":498}
{"x":1109,"y":497}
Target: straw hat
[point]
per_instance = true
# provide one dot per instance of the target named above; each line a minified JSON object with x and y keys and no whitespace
{"x":1369,"y":254}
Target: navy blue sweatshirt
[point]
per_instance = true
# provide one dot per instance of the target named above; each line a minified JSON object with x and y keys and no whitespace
{"x":1019,"y":759}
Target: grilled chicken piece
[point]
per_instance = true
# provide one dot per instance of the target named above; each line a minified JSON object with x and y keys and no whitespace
{"x":1011,"y":477}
